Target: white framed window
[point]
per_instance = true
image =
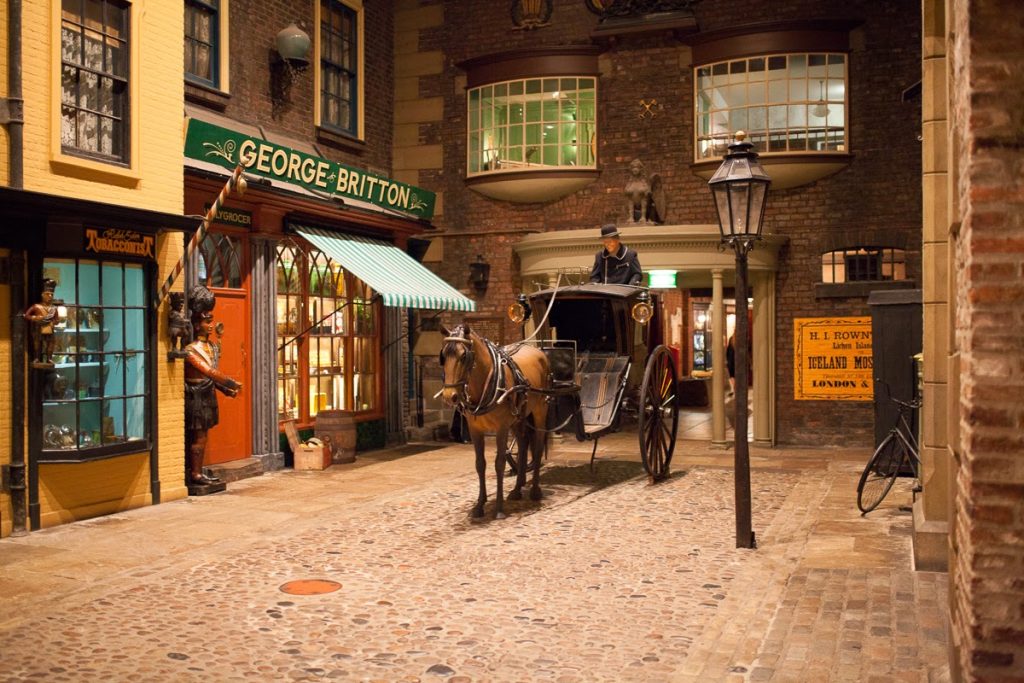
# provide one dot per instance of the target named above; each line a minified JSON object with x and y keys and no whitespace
{"x":532,"y":124}
{"x":95,"y":85}
{"x":786,"y":103}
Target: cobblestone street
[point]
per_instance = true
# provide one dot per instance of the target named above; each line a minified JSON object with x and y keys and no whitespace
{"x":607,"y":579}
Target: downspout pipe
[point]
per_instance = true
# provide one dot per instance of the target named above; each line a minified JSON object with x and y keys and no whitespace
{"x":18,"y":478}
{"x":14,"y":106}
{"x":14,"y":119}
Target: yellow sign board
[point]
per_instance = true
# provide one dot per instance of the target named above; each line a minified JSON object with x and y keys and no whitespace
{"x":832,"y":359}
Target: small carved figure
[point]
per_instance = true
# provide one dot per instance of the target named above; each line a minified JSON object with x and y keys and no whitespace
{"x":645,"y":197}
{"x":202,"y":381}
{"x":179,"y":328}
{"x":45,"y":317}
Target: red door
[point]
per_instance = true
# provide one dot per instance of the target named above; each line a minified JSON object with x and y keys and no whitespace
{"x":230,"y":439}
{"x":223,"y":268}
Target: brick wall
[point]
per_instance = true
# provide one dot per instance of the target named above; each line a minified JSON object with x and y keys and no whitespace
{"x":987,"y":117}
{"x":879,"y":190}
{"x":254,"y":24}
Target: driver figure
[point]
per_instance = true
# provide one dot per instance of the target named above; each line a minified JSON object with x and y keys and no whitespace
{"x":615,"y":264}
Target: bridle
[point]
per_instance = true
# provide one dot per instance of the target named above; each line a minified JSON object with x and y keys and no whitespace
{"x":494,"y":391}
{"x":458,"y":336}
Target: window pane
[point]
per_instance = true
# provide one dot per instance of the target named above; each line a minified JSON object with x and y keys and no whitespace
{"x":113,"y":421}
{"x":113,"y":285}
{"x":135,"y":375}
{"x":135,"y":338}
{"x":113,"y":329}
{"x":135,"y":418}
{"x":113,"y":374}
{"x":133,"y":285}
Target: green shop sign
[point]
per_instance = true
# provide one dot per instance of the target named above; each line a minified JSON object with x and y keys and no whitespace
{"x":228,"y":148}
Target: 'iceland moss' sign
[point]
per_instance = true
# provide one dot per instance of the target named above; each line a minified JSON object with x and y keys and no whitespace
{"x":228,"y":148}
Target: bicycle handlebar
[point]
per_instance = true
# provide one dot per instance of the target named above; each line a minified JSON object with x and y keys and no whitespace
{"x":913,"y":404}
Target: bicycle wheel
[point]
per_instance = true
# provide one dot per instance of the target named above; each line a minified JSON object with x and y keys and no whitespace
{"x":880,"y":473}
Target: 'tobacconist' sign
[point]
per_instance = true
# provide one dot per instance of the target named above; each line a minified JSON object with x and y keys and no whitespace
{"x":228,"y":148}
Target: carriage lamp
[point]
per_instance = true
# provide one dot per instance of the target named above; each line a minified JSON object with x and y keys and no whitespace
{"x":740,"y":188}
{"x":642,"y":310}
{"x":520,"y":311}
{"x":479,"y":274}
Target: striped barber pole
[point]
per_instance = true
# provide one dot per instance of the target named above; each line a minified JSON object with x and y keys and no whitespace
{"x":235,"y":182}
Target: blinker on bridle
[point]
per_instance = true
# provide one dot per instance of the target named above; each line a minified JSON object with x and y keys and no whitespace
{"x":466,"y":362}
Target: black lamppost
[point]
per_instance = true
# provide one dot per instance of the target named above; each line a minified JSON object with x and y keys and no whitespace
{"x":740,"y":187}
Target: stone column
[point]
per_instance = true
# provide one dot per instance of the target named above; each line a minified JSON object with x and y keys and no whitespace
{"x":764,"y":358}
{"x":719,"y":373}
{"x":266,"y":442}
{"x":931,"y":519}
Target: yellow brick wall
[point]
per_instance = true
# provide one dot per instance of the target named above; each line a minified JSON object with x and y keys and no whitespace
{"x":69,"y":492}
{"x":5,"y":406}
{"x":170,"y":403}
{"x":157,"y":87}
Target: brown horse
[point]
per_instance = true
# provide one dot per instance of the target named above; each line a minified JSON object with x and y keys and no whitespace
{"x":497,"y":401}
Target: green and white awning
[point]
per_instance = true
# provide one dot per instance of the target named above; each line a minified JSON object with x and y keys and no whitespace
{"x":396,"y":276}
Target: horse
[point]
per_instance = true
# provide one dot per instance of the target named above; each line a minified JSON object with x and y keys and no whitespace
{"x":494,"y":389}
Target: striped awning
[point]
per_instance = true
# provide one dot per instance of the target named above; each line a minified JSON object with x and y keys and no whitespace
{"x":396,"y":276}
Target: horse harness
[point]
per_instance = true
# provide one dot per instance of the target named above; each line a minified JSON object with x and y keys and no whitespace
{"x":495,"y":390}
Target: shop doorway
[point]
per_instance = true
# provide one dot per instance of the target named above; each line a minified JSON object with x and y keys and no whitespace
{"x":222,"y":268}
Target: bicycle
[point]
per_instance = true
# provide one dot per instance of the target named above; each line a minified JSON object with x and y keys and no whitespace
{"x":898,"y":447}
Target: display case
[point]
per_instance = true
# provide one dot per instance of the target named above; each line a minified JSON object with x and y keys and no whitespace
{"x":94,"y":398}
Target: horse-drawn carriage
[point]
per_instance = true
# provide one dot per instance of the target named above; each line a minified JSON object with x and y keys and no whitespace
{"x":606,"y":366}
{"x":591,"y":362}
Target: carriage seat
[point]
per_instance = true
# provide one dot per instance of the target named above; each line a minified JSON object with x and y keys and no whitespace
{"x":599,"y":377}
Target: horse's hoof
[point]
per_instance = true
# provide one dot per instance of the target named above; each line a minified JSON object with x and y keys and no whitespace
{"x":500,"y":515}
{"x":536,"y":494}
{"x":478,"y":512}
{"x":515,"y":495}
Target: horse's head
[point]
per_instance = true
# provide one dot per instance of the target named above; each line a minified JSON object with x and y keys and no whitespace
{"x":456,"y":362}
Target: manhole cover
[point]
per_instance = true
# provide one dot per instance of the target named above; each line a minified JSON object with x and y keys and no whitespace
{"x":310,"y":587}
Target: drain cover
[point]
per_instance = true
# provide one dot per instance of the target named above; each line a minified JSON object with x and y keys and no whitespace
{"x":310,"y":587}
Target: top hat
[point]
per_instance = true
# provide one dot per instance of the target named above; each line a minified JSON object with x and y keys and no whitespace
{"x":609,"y":230}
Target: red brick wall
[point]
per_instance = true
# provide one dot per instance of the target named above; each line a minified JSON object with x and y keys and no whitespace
{"x":254,"y":26}
{"x":881,"y":188}
{"x":987,"y":113}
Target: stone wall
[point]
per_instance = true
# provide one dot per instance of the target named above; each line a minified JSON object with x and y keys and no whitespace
{"x":880,"y":190}
{"x":987,"y":121}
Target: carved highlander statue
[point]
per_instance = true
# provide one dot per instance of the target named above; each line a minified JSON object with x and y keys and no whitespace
{"x":179,"y":329}
{"x":45,"y":317}
{"x":202,"y":381}
{"x":645,"y":197}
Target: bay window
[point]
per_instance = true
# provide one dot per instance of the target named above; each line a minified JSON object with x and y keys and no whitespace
{"x":327,"y":336}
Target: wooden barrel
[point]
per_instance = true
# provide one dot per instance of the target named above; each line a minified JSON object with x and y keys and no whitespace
{"x":337,"y":429}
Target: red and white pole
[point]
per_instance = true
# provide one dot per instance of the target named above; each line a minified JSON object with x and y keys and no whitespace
{"x":235,"y":182}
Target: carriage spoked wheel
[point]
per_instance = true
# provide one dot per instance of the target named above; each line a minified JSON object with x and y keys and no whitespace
{"x":659,"y":413}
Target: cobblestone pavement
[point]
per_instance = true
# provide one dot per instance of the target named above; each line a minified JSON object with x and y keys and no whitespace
{"x":607,"y":579}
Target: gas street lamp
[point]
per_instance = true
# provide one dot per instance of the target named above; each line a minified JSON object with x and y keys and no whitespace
{"x":740,"y":187}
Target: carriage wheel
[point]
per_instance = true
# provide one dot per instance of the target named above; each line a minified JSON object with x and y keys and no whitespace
{"x":512,"y":445}
{"x":659,"y":413}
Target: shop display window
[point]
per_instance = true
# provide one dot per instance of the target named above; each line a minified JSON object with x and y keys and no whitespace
{"x":95,"y":396}
{"x":327,"y":336}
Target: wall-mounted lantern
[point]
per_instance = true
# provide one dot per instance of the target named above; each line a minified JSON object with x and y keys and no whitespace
{"x":479,"y":274}
{"x":292,"y":57}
